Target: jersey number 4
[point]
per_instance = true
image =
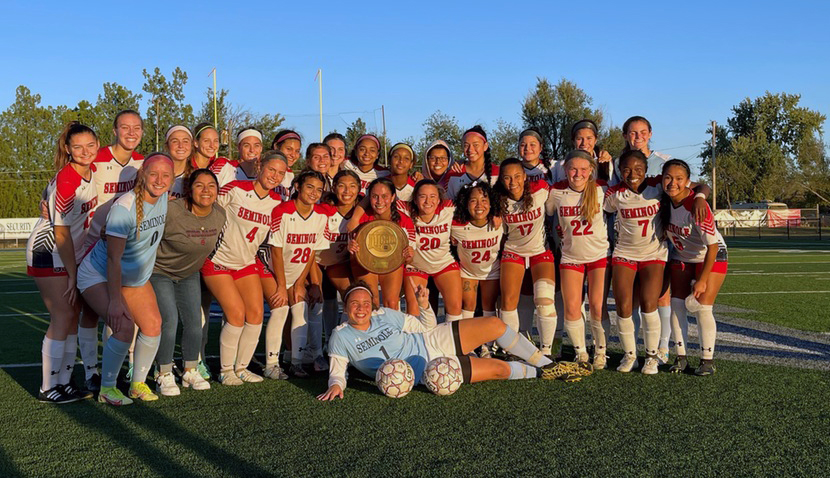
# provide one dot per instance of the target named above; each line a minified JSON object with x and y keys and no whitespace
{"x":251,"y":235}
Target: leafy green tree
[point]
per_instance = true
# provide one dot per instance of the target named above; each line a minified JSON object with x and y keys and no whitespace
{"x":440,"y":125}
{"x":503,"y":140}
{"x":354,"y":131}
{"x":166,"y":106}
{"x":114,"y":99}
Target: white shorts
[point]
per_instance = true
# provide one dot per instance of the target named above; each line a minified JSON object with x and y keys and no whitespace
{"x":440,"y":342}
{"x":88,"y":276}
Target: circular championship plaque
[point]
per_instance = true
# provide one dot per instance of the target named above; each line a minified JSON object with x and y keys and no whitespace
{"x":381,"y":246}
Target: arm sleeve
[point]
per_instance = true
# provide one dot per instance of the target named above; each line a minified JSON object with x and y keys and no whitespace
{"x":120,"y":221}
{"x":337,"y":371}
{"x":424,"y":322}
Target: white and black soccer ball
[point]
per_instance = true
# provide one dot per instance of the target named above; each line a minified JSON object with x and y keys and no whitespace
{"x":442,"y":376}
{"x":395,"y":378}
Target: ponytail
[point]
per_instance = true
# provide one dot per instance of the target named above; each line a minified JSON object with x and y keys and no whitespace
{"x":62,"y":157}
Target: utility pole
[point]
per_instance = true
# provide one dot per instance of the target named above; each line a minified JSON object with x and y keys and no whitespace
{"x":714,"y":169}
{"x":319,"y":76}
{"x":385,"y":153}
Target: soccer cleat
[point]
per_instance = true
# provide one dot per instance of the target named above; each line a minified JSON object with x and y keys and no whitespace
{"x":320,"y":364}
{"x":113,"y":396}
{"x":230,"y":378}
{"x":600,"y":360}
{"x":71,"y":389}
{"x":707,"y":367}
{"x":663,"y":356}
{"x":566,"y":371}
{"x":192,"y":379}
{"x":484,"y":352}
{"x":247,"y":376}
{"x":275,"y":373}
{"x":56,"y":395}
{"x":297,"y":371}
{"x":167,"y":385}
{"x":93,"y":384}
{"x":680,"y":364}
{"x":628,"y":363}
{"x":203,"y":370}
{"x":650,"y":365}
{"x":141,"y":391}
{"x":582,"y":357}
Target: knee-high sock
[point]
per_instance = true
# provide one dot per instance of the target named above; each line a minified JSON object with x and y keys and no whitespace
{"x":468,"y":314}
{"x":635,"y":319}
{"x":115,"y":351}
{"x":547,"y":329}
{"x":228,"y":346}
{"x":524,"y":311}
{"x":52,"y":356}
{"x":680,"y":325}
{"x":88,"y":345}
{"x":625,"y":325}
{"x":315,"y":332}
{"x":519,"y":371}
{"x":576,"y":332}
{"x":453,"y":318}
{"x":299,"y":332}
{"x":707,"y":330}
{"x":651,"y":331}
{"x":519,"y":346}
{"x":331,"y":317}
{"x":273,"y":335}
{"x":511,"y":318}
{"x":70,"y":350}
{"x":665,"y":326}
{"x":598,"y":334}
{"x":145,"y":352}
{"x":606,"y":326}
{"x":248,"y":340}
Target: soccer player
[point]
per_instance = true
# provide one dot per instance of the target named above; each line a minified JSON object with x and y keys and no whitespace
{"x":233,"y":273}
{"x":179,"y":143}
{"x":523,"y":211}
{"x":318,"y":158}
{"x":531,"y":152}
{"x":401,"y":159}
{"x":577,"y":203}
{"x":479,"y":165}
{"x":288,"y":143}
{"x":337,"y":143}
{"x":584,"y":137}
{"x":249,"y":145}
{"x":438,"y":163}
{"x":205,"y":145}
{"x":698,"y":266}
{"x":370,"y":337}
{"x":113,"y":278}
{"x":364,"y":161}
{"x":191,"y":230}
{"x":53,"y":252}
{"x":432,"y":216}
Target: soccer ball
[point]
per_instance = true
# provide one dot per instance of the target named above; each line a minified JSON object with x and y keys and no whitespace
{"x":442,"y":376}
{"x":395,"y":378}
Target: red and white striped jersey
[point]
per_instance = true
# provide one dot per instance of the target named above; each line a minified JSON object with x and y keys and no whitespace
{"x":581,"y":241}
{"x":338,"y":251}
{"x":248,"y":220}
{"x":112,"y":180}
{"x":638,"y":224}
{"x":459,"y":180}
{"x":298,"y":236}
{"x":227,"y":170}
{"x":691,"y":239}
{"x":432,"y":240}
{"x":367,"y":177}
{"x":405,"y":193}
{"x":478,"y":249}
{"x":526,"y":229}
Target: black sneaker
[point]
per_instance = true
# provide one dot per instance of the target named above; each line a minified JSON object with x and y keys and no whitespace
{"x":72,"y":390}
{"x":707,"y":367}
{"x":93,"y":384}
{"x":680,"y":365}
{"x":56,"y":395}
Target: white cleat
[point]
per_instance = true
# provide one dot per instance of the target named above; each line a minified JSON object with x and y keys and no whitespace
{"x":193,"y":379}
{"x":230,"y":378}
{"x":247,"y":376}
{"x":650,"y":366}
{"x":628,"y":363}
{"x":663,"y":356}
{"x":167,"y":385}
{"x":275,"y":372}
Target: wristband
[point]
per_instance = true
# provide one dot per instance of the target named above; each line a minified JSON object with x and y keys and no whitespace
{"x":700,"y":195}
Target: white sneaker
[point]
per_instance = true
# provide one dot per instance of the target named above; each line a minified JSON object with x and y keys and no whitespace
{"x":628,"y":363}
{"x":582,"y":357}
{"x":275,"y":373}
{"x":247,"y":376}
{"x":229,"y":378}
{"x":650,"y":366}
{"x":663,"y":356}
{"x":193,"y":379}
{"x":600,"y":360}
{"x":167,"y":385}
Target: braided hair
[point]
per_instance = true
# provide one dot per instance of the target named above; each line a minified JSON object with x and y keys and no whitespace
{"x":527,"y":198}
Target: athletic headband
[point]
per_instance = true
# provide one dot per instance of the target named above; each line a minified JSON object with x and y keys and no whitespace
{"x":269,"y":155}
{"x":245,"y":133}
{"x":476,"y":134}
{"x":530,"y":132}
{"x":157,"y":157}
{"x":203,"y":128}
{"x":368,"y":136}
{"x":173,"y":129}
{"x":583,"y":125}
{"x":402,"y":146}
{"x":578,"y":153}
{"x":288,"y":136}
{"x":360,"y":287}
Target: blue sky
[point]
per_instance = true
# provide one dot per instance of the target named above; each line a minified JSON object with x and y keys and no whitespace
{"x":681,"y":67}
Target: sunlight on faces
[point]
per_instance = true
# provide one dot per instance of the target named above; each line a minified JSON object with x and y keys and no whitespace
{"x":513,"y":179}
{"x":578,"y":172}
{"x":479,"y":205}
{"x":208,"y":143}
{"x":401,"y":161}
{"x":338,"y":151}
{"x":367,"y":154}
{"x":320,"y":160}
{"x":530,"y":149}
{"x":83,"y":148}
{"x":271,"y":173}
{"x":346,"y":190}
{"x":250,"y":149}
{"x":427,"y":199}
{"x":128,"y":131}
{"x":438,"y":160}
{"x":359,"y":308}
{"x":586,"y":140}
{"x":474,"y":148}
{"x":381,"y":198}
{"x":204,"y":190}
{"x":157,"y":178}
{"x":633,"y":172}
{"x":310,"y":191}
{"x":638,"y":135}
{"x":675,"y":181}
{"x":291,"y":149}
{"x":179,"y":145}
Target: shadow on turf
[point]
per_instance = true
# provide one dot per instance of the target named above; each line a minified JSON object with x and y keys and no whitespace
{"x":96,"y":416}
{"x":7,"y":466}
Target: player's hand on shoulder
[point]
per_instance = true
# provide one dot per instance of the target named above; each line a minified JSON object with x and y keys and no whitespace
{"x":333,"y":392}
{"x":604,"y":156}
{"x":700,"y":210}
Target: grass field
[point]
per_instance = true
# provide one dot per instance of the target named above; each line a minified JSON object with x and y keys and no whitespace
{"x":746,"y":420}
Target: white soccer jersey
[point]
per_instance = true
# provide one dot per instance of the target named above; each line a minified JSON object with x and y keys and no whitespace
{"x":112,"y":179}
{"x":540,"y":171}
{"x":432,"y":240}
{"x":459,"y":180}
{"x":405,"y":193}
{"x":581,"y":241}
{"x":638,"y":221}
{"x":72,"y":200}
{"x":526,"y":230}
{"x":248,"y":220}
{"x":478,"y":249}
{"x":367,"y":177}
{"x":287,"y":180}
{"x":338,"y":250}
{"x":227,"y":170}
{"x":298,"y":236}
{"x":691,"y":239}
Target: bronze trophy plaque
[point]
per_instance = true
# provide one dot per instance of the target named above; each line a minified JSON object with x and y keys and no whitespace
{"x":381,"y":246}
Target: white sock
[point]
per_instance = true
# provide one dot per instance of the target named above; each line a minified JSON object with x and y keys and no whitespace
{"x":52,"y":356}
{"x":468,"y":314}
{"x":248,"y":340}
{"x":680,"y":325}
{"x":315,"y":332}
{"x":518,"y":345}
{"x":598,"y":334}
{"x":651,"y":331}
{"x":299,"y":332}
{"x":145,"y":352}
{"x":70,"y":350}
{"x":576,"y":331}
{"x":228,"y":346}
{"x":707,"y":330}
{"x":547,"y":329}
{"x":665,"y":325}
{"x":273,"y":335}
{"x":519,"y":371}
{"x":511,"y":318}
{"x":635,"y":318}
{"x":453,"y":318}
{"x":625,"y":326}
{"x":525,"y":311}
{"x":88,"y":344}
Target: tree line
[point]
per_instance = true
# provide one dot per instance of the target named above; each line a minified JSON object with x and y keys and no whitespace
{"x":769,"y":148}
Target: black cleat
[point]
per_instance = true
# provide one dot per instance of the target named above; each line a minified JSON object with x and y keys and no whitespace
{"x":71,"y":389}
{"x":680,"y":365}
{"x":56,"y":395}
{"x":93,"y":384}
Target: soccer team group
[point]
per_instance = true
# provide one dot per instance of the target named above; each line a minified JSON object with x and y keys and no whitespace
{"x":147,"y":243}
